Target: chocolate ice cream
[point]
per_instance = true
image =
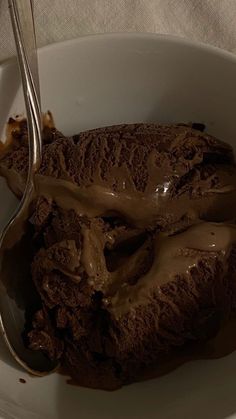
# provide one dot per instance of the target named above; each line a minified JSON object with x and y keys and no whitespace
{"x":135,"y":244}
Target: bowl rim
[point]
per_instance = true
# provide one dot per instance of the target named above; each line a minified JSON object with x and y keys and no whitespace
{"x":156,"y":37}
{"x":121,"y":36}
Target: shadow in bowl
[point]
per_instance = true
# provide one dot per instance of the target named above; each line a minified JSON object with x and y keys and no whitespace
{"x":9,"y":85}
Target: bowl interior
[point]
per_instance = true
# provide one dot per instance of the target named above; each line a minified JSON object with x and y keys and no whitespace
{"x":105,"y":80}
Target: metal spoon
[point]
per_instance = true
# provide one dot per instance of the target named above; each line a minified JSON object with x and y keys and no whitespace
{"x":17,"y":293}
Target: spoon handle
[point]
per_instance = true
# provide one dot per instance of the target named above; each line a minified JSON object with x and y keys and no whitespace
{"x":21,"y":12}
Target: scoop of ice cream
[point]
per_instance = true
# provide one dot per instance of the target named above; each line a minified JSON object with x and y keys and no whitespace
{"x":152,"y":175}
{"x":117,"y":318}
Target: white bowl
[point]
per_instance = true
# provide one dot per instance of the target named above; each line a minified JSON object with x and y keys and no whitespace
{"x":109,"y":79}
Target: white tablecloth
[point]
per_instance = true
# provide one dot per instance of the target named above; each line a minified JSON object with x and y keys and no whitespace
{"x":211,"y":21}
